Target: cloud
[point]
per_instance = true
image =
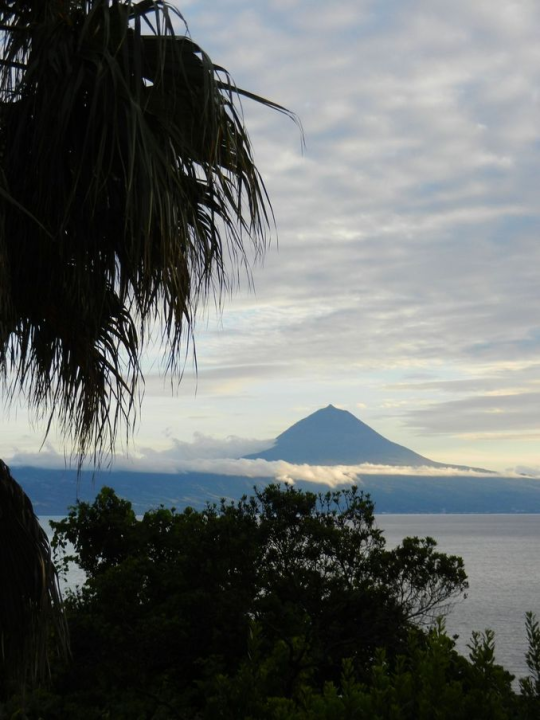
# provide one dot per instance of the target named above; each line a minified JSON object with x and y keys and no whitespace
{"x":47,"y":457}
{"x":408,"y":229}
{"x":527,"y":471}
{"x":478,"y":414}
{"x":283,"y":471}
{"x":203,"y":446}
{"x":501,"y":380}
{"x":220,"y":457}
{"x":178,"y":454}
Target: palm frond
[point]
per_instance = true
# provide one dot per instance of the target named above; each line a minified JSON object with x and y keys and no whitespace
{"x":127,"y":185}
{"x":30,"y":601}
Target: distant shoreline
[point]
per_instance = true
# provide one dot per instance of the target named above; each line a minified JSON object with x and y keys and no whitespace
{"x":52,"y":492}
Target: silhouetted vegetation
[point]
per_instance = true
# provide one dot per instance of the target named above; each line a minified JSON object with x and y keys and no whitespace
{"x":128,"y":196}
{"x":283,"y":605}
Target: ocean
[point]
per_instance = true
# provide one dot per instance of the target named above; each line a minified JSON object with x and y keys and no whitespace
{"x":502,"y":559}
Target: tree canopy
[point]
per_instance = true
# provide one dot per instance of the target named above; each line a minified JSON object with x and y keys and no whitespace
{"x":286,"y":605}
{"x":300,"y":581}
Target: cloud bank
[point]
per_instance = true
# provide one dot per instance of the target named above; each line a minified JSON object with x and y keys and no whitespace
{"x":183,"y":458}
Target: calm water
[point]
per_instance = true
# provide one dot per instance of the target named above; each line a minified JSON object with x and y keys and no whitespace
{"x":502,"y":560}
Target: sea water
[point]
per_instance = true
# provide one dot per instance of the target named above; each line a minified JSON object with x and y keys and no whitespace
{"x":502,"y":560}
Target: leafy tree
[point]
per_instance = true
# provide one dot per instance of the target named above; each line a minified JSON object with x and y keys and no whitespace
{"x":128,"y":194}
{"x":240,"y":602}
{"x":282,"y":606}
{"x":530,"y":686}
{"x":428,"y":680}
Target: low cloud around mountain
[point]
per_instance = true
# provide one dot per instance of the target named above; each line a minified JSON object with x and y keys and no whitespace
{"x":329,"y":448}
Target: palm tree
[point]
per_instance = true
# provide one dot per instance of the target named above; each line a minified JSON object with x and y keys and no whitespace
{"x":30,"y":601}
{"x":128,"y":195}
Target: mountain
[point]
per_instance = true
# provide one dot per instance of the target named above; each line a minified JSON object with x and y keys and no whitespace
{"x":327,"y":437}
{"x":336,"y":437}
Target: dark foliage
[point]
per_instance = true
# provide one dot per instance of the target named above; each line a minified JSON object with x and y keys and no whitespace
{"x":29,"y":611}
{"x":290,"y":581}
{"x":128,"y":193}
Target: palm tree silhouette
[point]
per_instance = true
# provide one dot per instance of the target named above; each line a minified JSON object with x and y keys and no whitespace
{"x":128,"y":195}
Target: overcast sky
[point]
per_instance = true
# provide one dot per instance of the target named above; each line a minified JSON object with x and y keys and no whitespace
{"x":405,"y":286}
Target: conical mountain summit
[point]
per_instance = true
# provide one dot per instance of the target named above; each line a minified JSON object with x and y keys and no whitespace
{"x":336,"y":437}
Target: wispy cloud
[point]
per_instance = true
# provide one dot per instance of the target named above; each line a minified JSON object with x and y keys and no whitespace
{"x":408,"y":229}
{"x":488,"y":413}
{"x":283,"y":471}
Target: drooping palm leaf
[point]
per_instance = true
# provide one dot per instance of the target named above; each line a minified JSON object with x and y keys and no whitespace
{"x":127,"y":184}
{"x":30,"y":601}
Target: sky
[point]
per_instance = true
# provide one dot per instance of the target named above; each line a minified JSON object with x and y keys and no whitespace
{"x":403,"y":282}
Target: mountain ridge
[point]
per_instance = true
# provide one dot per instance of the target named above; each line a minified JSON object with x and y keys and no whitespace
{"x":331,"y":436}
{"x":317,"y":439}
